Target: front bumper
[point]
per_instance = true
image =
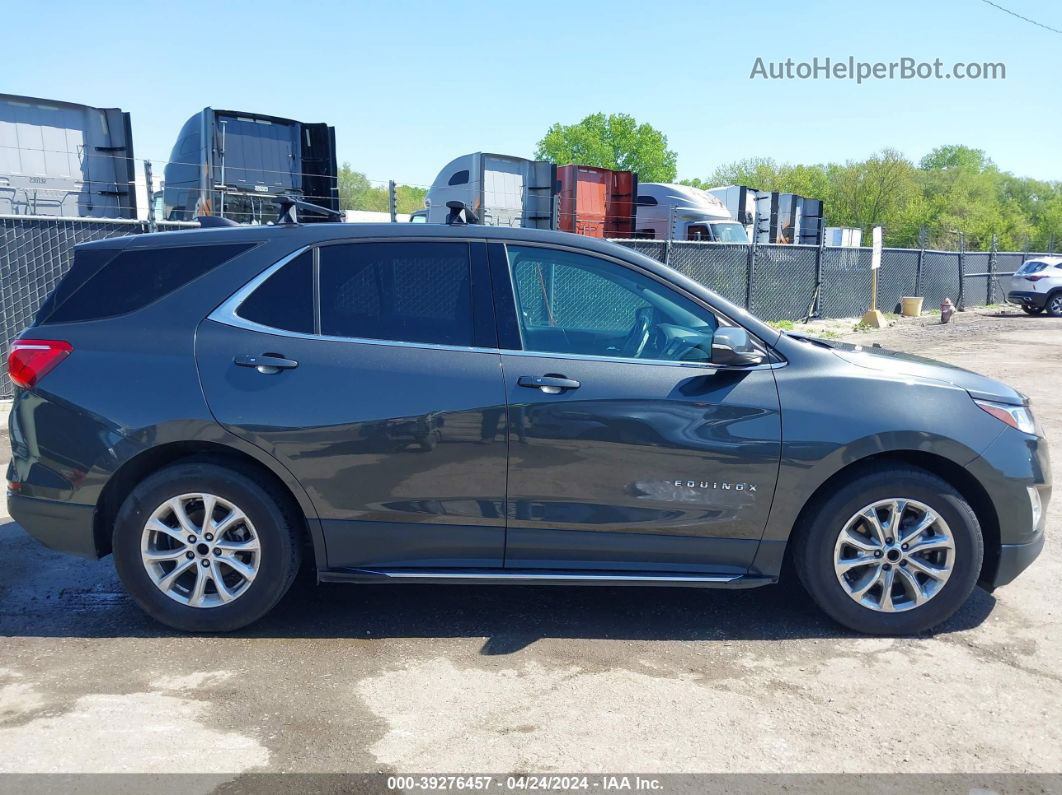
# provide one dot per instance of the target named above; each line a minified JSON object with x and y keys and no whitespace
{"x":1026,"y":297}
{"x":63,"y":526}
{"x":1014,"y":559}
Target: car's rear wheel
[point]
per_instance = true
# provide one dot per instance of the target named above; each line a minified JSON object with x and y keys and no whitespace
{"x":1054,"y":304}
{"x":893,"y":551}
{"x":205,"y":548}
{"x":1031,"y":309}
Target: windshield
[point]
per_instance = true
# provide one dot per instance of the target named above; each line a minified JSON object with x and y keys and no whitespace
{"x":729,"y":232}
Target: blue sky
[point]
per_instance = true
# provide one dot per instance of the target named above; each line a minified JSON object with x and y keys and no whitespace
{"x":410,"y":85}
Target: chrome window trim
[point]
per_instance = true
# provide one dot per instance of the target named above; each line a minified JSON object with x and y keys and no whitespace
{"x":226,"y":314}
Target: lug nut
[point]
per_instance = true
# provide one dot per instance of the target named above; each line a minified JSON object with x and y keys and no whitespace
{"x":905,"y":546}
{"x":903,"y":562}
{"x":217,"y":551}
{"x":887,"y":566}
{"x":189,"y":555}
{"x":209,"y":537}
{"x":191,"y":539}
{"x":205,"y":562}
{"x":888,"y":540}
{"x":878,"y":554}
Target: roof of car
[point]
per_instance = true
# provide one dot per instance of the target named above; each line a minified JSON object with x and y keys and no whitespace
{"x":307,"y":234}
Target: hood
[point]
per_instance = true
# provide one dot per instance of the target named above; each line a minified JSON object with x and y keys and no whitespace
{"x":906,"y":364}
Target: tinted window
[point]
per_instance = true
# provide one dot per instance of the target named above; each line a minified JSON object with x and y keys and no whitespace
{"x":285,"y":299}
{"x":646,"y":201}
{"x":407,"y":292}
{"x":459,"y":178}
{"x":135,"y":278}
{"x":573,"y":303}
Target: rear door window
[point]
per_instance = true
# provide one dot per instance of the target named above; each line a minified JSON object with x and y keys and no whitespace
{"x":101,"y":287}
{"x":410,"y":291}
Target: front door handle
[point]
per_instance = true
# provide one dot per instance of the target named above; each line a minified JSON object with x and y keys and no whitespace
{"x":266,"y":363}
{"x":550,"y":384}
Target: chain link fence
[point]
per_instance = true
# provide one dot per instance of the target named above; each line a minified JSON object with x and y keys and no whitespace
{"x":775,"y":282}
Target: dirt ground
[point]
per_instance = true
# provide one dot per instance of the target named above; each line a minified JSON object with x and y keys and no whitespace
{"x":455,"y":679}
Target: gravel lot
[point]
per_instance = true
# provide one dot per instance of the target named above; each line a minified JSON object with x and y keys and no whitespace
{"x":449,"y":679}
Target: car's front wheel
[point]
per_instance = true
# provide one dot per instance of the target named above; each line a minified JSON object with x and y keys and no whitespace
{"x":205,"y":548}
{"x":894,"y":551}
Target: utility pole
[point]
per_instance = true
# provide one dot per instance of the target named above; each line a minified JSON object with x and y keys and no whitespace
{"x":392,"y":200}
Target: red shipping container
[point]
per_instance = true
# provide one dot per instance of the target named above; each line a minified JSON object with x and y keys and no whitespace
{"x":596,"y":202}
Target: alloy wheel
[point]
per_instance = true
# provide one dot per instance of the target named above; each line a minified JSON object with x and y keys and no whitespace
{"x":894,"y":555}
{"x":200,"y":550}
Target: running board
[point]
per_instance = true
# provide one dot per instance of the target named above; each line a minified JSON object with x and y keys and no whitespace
{"x":539,"y":577}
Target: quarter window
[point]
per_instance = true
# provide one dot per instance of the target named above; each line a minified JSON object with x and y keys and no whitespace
{"x":575,"y":304}
{"x":403,"y":291}
{"x":285,"y":299}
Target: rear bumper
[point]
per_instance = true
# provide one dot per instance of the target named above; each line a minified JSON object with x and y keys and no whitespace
{"x":1014,"y":559}
{"x":62,"y":526}
{"x":1026,"y":297}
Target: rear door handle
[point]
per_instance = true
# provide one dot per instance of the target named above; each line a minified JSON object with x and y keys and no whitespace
{"x":266,"y":363}
{"x":550,"y":384}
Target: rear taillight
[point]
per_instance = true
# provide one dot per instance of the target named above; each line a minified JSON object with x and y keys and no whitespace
{"x":30,"y":360}
{"x":1034,"y":278}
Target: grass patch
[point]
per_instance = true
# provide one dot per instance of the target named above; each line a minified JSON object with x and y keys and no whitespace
{"x":781,"y":325}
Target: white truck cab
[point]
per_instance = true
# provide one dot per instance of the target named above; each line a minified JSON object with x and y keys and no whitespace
{"x":668,"y":211}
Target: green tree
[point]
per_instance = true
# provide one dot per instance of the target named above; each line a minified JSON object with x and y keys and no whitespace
{"x":357,"y":192}
{"x":616,"y":141}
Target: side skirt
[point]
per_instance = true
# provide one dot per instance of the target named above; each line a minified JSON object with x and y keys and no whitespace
{"x":539,"y":577}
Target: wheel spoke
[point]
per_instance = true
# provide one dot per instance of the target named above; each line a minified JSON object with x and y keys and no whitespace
{"x":159,"y":555}
{"x":930,"y":544}
{"x":920,"y":527}
{"x":238,"y":566}
{"x":219,"y":583}
{"x":209,"y":501}
{"x":911,"y":585}
{"x":936,"y":572}
{"x":870,"y":517}
{"x":847,"y":564}
{"x":181,"y":515}
{"x":251,"y":545}
{"x":862,"y":543}
{"x":199,"y":591}
{"x":166,"y":583}
{"x":870,"y":579}
{"x":885,"y":600}
{"x":234,"y":517}
{"x":896,"y":511}
{"x":155,"y":526}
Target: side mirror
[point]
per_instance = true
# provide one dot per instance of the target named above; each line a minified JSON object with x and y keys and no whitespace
{"x":731,"y":347}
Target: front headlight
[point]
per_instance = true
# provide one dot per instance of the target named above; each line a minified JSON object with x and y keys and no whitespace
{"x":1015,"y":416}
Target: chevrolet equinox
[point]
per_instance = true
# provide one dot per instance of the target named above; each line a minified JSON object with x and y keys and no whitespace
{"x":429,"y":403}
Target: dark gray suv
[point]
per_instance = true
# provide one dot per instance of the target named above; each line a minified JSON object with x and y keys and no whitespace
{"x":481,"y":405}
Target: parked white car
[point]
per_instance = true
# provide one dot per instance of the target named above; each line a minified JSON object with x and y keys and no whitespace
{"x":1037,"y":285}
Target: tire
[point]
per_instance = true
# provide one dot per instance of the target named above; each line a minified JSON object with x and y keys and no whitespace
{"x":266,"y":542}
{"x":1029,"y":309}
{"x":817,"y":546}
{"x":1053,"y":305}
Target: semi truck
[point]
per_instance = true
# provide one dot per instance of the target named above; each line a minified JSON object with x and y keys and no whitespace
{"x":64,"y":159}
{"x":235,"y":164}
{"x":667,"y":211}
{"x":496,"y":190}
